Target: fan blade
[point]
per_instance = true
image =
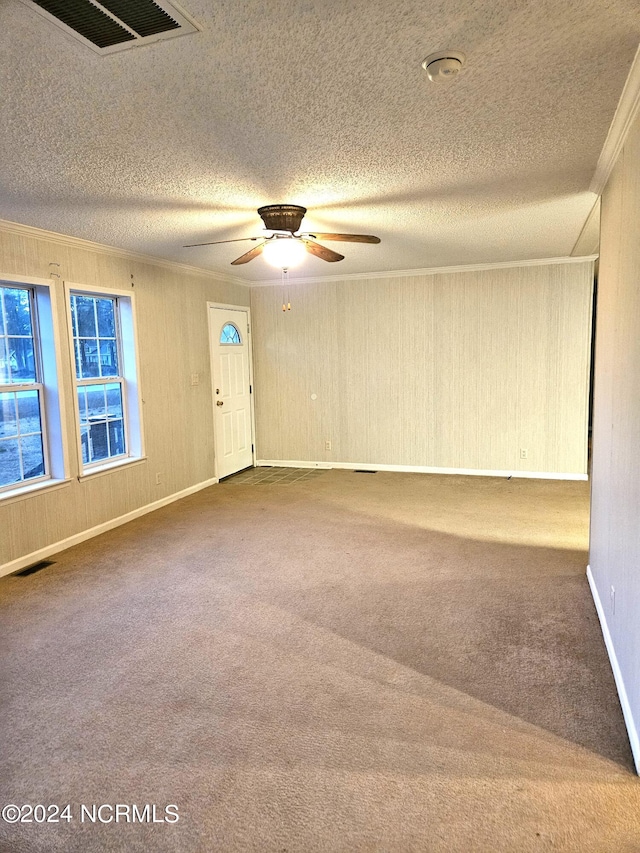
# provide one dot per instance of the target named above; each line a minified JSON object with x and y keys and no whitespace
{"x":250,"y":255}
{"x":218,"y":242}
{"x":322,"y":251}
{"x":347,"y":238}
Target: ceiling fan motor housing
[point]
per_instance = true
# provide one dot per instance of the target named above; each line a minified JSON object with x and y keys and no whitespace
{"x":282,"y":217}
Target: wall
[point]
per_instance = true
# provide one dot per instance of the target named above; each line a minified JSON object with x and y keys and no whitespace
{"x":455,"y":370}
{"x":615,"y":506}
{"x":178,"y":420}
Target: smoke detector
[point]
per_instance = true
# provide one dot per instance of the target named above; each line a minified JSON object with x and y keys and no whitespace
{"x":444,"y":65}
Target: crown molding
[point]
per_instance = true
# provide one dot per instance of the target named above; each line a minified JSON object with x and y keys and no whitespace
{"x":623,"y":118}
{"x":589,"y":238}
{"x":498,"y":265}
{"x":89,"y":245}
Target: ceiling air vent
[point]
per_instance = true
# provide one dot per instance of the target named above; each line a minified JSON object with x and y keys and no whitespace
{"x":113,"y":25}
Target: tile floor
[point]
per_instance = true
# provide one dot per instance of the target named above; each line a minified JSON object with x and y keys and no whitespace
{"x":273,"y":476}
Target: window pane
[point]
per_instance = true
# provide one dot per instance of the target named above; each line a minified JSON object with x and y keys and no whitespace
{"x":114,"y":400}
{"x":10,"y":471}
{"x":5,"y":375}
{"x":86,"y":317}
{"x":21,"y":360}
{"x":230,"y":335}
{"x":84,"y":441}
{"x":29,"y":412}
{"x":96,"y":405}
{"x":98,"y":441}
{"x":108,"y":358}
{"x":21,"y":459}
{"x":116,"y":438}
{"x":17,"y":309}
{"x":32,"y":456}
{"x":74,"y":317}
{"x":101,"y":422}
{"x":94,"y":332}
{"x":89,"y":362}
{"x":76,"y":351}
{"x":82,"y":404}
{"x":106,"y":318}
{"x":17,"y":360}
{"x":8,"y":419}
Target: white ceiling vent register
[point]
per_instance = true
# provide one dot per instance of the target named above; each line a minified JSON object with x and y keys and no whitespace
{"x":112,"y":25}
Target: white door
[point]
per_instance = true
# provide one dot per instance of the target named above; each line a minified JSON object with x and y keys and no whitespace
{"x":229,"y":332}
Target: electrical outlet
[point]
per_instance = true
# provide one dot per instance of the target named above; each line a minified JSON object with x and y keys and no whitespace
{"x":327,"y":445}
{"x":613,"y":600}
{"x":158,"y":478}
{"x":195,"y":378}
{"x":524,"y":453}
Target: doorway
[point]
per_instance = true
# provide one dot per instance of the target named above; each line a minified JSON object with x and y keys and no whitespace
{"x":230,"y":347}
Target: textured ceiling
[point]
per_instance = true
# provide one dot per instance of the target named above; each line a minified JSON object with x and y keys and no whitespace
{"x":324,"y":104}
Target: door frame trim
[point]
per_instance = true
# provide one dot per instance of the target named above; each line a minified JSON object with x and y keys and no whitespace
{"x":227,"y":307}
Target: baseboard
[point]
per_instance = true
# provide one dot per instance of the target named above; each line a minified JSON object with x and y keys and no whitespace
{"x":77,"y":538}
{"x":632,"y":730}
{"x":292,"y":463}
{"x":416,"y":469}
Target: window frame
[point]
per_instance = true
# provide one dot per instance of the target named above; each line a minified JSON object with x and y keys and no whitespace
{"x":49,"y":384}
{"x":129,"y":377}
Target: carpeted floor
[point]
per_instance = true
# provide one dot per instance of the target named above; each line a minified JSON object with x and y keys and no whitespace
{"x":388,"y":662}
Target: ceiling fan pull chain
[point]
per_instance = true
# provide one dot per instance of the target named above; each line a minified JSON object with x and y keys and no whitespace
{"x":286,"y":304}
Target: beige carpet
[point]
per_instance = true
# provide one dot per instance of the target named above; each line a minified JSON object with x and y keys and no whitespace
{"x":353,"y":662}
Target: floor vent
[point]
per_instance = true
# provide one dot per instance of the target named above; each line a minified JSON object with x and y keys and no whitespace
{"x":363,"y":471}
{"x":37,"y":567}
{"x":112,"y":25}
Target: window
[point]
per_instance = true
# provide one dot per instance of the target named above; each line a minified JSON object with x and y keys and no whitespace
{"x":106,"y":378}
{"x":31,"y":450}
{"x":98,"y":362}
{"x":22,"y":452}
{"x":230,"y":335}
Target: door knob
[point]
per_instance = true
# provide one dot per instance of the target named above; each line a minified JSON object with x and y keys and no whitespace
{"x":219,"y":403}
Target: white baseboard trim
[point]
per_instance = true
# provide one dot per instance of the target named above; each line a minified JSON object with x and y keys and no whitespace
{"x":632,"y":730}
{"x":415,"y":469}
{"x":77,"y":538}
{"x":292,"y":463}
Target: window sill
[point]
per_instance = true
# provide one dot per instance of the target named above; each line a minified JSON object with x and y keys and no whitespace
{"x":23,"y":492}
{"x":99,"y":470}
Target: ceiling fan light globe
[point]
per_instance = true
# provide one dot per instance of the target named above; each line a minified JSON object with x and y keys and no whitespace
{"x":284,"y":252}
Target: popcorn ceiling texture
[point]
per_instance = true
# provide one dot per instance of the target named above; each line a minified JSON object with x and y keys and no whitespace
{"x":322,"y":104}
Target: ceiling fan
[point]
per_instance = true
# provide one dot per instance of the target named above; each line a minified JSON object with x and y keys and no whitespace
{"x":284,"y":246}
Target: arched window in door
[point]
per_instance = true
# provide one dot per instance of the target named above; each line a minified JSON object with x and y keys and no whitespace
{"x":230,"y":335}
